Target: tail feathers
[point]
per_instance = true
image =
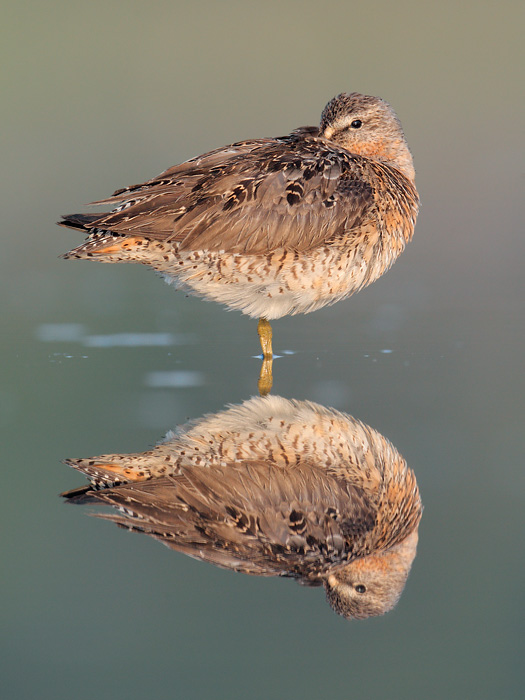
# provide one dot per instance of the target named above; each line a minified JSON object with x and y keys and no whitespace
{"x":103,"y":243}
{"x":99,"y":240}
{"x":108,"y":471}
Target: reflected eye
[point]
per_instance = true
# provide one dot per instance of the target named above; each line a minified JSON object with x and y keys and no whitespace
{"x":356,"y":124}
{"x":360,"y":588}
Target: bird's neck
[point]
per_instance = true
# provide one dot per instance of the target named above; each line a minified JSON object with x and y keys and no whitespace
{"x":392,"y":152}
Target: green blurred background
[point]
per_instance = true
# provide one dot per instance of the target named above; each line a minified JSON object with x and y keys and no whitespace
{"x":97,"y":96}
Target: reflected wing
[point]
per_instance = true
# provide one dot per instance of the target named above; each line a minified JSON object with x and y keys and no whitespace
{"x":250,"y":516}
{"x":295,"y":192}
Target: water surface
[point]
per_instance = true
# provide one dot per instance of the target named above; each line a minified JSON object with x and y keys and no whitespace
{"x":101,"y":358}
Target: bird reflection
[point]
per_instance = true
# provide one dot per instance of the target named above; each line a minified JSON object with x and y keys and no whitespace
{"x":274,"y":487}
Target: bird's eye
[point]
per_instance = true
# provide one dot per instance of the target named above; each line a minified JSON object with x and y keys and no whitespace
{"x":356,"y":124}
{"x":360,"y":588}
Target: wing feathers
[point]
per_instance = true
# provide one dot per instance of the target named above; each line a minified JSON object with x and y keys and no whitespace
{"x":240,"y":512}
{"x":296,"y":193}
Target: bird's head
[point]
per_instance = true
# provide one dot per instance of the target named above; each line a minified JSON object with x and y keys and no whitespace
{"x":367,"y":126}
{"x":372,"y":585}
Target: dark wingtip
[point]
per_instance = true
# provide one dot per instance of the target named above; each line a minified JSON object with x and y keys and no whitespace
{"x":84,"y":222}
{"x":80,"y":496}
{"x":64,"y":221}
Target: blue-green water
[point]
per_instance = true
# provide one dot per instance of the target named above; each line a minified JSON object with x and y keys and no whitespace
{"x":101,"y":358}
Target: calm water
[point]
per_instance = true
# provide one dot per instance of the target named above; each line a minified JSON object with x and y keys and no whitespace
{"x":101,"y":359}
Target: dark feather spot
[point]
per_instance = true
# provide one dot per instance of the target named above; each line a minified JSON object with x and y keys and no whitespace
{"x":294,"y":193}
{"x":273,"y":166}
{"x":236,"y":197}
{"x":233,"y":512}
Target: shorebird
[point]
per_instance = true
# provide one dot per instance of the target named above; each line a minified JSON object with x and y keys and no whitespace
{"x":271,"y":226}
{"x":274,"y":487}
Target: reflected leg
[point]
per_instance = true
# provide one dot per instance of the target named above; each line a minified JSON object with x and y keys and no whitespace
{"x":265,"y":377}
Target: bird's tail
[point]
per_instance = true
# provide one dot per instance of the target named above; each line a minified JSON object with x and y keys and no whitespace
{"x":106,"y":471}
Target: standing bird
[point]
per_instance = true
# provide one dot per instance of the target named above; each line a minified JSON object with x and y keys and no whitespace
{"x":272,"y":226}
{"x":274,"y":487}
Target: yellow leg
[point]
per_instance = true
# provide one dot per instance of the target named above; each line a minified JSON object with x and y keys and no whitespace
{"x":264,"y":330}
{"x":265,"y":377}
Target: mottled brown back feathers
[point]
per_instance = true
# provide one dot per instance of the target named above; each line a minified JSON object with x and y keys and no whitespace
{"x":297,"y":192}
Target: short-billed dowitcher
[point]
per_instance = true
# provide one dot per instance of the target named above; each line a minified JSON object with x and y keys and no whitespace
{"x":272,"y":226}
{"x":274,"y":487}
